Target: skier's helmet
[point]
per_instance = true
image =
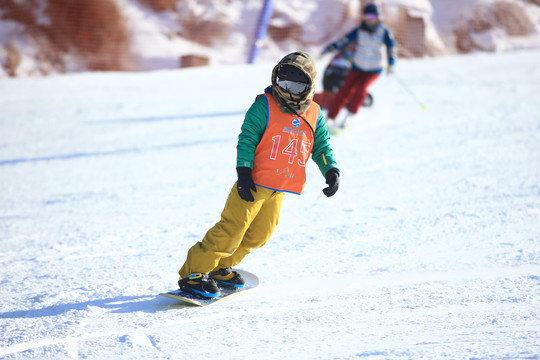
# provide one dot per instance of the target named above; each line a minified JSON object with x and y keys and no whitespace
{"x":293,"y":82}
{"x":371,"y":9}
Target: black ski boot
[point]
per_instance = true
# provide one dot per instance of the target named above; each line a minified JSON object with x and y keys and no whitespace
{"x":228,"y":278}
{"x":200,"y":285}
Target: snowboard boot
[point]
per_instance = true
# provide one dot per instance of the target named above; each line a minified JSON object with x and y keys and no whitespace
{"x":228,"y":278}
{"x":200,"y":285}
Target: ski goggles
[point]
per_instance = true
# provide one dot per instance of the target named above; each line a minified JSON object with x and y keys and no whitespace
{"x":294,"y":87}
{"x":371,"y":17}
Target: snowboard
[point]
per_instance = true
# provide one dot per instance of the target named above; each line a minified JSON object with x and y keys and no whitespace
{"x":368,"y":101}
{"x":251,"y":280}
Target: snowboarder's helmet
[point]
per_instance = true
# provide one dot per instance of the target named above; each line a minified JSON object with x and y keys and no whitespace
{"x":293,"y":82}
{"x":292,"y":79}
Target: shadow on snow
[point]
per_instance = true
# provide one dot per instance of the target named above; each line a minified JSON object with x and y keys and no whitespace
{"x":110,"y":152}
{"x":121,"y":304}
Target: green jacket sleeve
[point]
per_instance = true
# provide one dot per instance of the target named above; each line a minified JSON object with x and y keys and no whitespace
{"x":322,"y":153}
{"x":251,"y":132}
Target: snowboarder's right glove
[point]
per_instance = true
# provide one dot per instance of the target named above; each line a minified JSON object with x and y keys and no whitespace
{"x":245,"y":184}
{"x":332,"y":179}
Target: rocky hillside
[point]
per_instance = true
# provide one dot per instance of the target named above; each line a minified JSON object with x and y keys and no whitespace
{"x":40,"y":37}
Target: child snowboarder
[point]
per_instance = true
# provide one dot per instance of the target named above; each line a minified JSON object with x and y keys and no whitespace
{"x":281,"y":130}
{"x":367,"y":61}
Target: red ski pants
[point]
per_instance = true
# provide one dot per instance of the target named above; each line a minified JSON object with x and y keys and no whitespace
{"x":352,"y":93}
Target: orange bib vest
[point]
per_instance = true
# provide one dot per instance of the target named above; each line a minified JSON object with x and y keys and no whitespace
{"x":284,"y":149}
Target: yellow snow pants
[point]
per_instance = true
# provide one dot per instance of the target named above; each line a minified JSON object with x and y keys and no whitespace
{"x":243,"y":226}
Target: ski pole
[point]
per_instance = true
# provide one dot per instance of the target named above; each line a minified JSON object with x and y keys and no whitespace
{"x":424,"y":107}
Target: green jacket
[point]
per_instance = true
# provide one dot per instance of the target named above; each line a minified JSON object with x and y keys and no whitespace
{"x":253,"y":129}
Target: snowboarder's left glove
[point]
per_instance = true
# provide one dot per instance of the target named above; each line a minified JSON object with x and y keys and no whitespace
{"x":332,"y":179}
{"x":245,"y":184}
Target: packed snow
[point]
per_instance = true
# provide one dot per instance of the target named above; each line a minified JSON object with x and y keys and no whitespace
{"x":429,"y":250}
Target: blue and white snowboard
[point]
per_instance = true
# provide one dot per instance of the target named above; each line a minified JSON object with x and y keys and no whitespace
{"x":251,"y":281}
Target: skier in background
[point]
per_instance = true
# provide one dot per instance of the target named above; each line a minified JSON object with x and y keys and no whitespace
{"x":368,"y":42}
{"x":282,"y":128}
{"x":334,"y":76}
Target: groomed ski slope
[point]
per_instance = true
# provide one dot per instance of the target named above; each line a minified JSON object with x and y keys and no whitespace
{"x":430,"y":249}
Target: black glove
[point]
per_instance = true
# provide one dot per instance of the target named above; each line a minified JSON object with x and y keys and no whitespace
{"x":328,"y":49}
{"x":332,"y":179}
{"x":245,"y":184}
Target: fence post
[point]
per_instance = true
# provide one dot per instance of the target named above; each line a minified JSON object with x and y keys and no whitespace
{"x":262,"y":28}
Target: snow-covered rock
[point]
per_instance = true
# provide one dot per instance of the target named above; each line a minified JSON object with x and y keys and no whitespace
{"x":37,"y":39}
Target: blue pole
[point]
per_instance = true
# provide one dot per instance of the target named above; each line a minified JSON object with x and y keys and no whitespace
{"x":262,"y":28}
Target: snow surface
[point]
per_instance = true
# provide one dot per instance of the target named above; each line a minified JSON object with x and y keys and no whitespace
{"x":430,"y":249}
